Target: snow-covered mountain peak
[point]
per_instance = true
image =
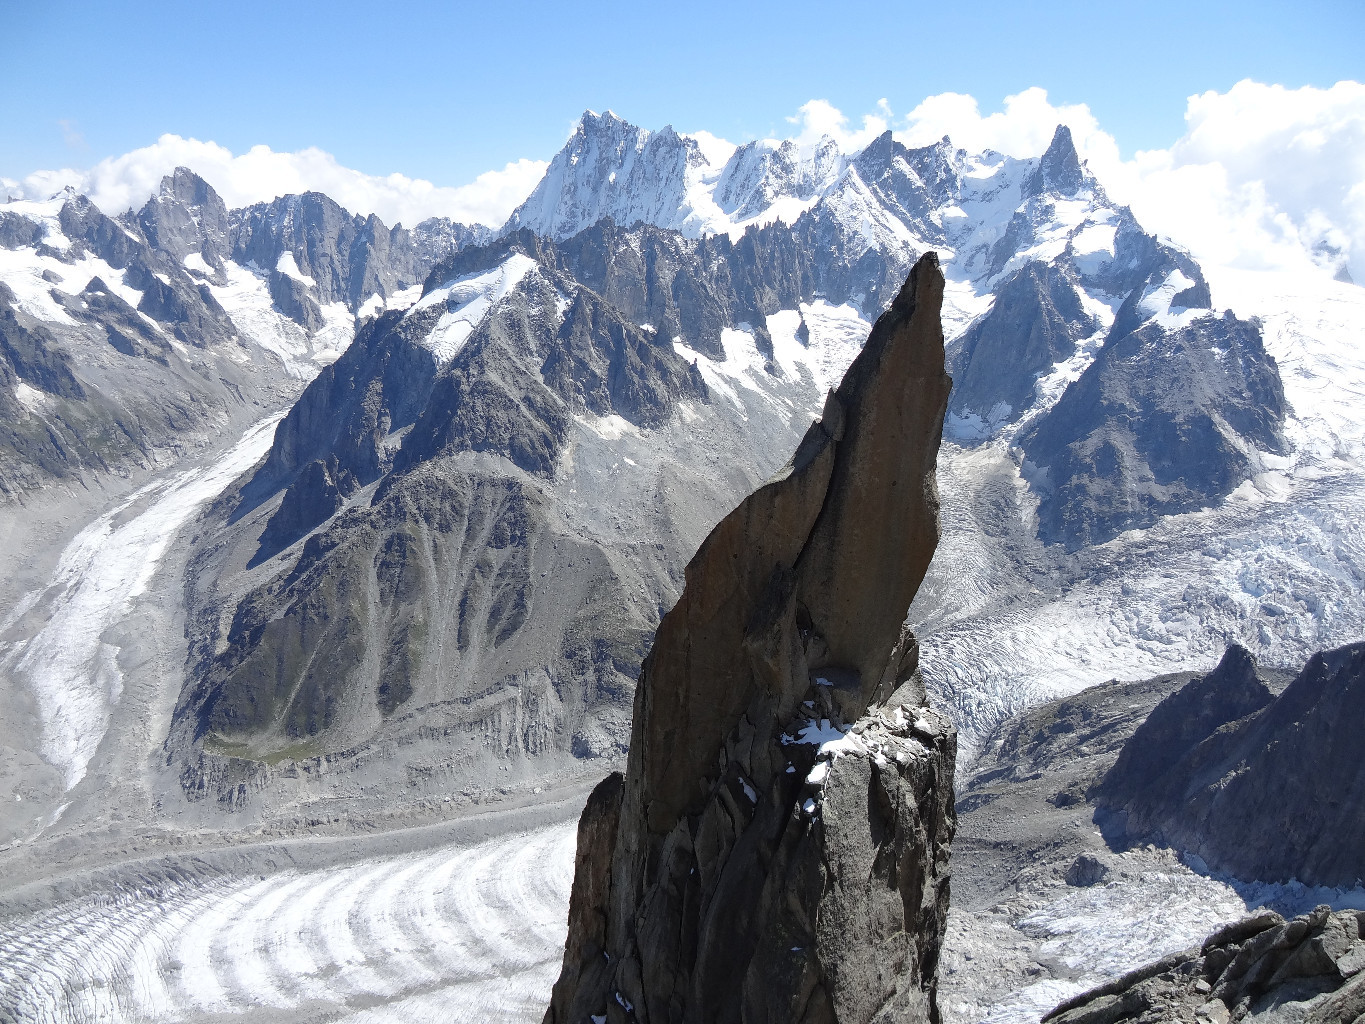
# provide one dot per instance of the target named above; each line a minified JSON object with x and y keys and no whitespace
{"x":987,"y":213}
{"x":767,"y":173}
{"x":611,"y":168}
{"x":716,"y":150}
{"x":697,"y":184}
{"x":35,"y":221}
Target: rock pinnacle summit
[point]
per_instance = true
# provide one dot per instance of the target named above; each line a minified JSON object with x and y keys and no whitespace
{"x":777,"y":848}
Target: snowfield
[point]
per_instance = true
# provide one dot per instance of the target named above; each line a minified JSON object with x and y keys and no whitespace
{"x":246,"y":297}
{"x":1088,"y":936}
{"x":467,"y":301}
{"x":470,"y":932}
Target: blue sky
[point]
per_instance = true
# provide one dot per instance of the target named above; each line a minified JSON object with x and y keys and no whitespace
{"x":445,"y":91}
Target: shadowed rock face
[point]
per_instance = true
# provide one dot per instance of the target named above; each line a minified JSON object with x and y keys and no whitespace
{"x":1184,"y":719}
{"x":1035,"y":322}
{"x":754,"y":874}
{"x":1161,"y":422}
{"x":1260,"y":788}
{"x":95,"y":384}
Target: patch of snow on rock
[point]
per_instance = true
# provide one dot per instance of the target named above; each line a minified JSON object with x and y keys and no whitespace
{"x":289,"y":267}
{"x":247,"y":301}
{"x":467,"y":300}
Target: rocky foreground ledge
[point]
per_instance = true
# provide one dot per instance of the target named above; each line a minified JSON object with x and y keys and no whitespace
{"x":1310,"y":970}
{"x":777,"y":849}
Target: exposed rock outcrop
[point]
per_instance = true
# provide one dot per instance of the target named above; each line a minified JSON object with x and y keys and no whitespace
{"x":1263,"y":967}
{"x":778,"y":847}
{"x":1259,"y":788}
{"x":1035,"y":322}
{"x":315,"y":253}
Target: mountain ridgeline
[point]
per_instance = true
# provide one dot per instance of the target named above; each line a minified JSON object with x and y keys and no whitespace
{"x":124,"y":337}
{"x":458,"y":548}
{"x":463,"y":537}
{"x":468,"y":525}
{"x":1258,"y":785}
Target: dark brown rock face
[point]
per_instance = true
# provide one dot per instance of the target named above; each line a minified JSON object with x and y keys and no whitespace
{"x":778,"y":847}
{"x":1260,"y":968}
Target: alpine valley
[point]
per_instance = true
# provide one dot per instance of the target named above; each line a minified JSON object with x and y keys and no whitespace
{"x":332,"y":550}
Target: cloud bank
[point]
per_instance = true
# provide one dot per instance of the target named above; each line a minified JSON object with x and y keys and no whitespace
{"x":819,"y":118}
{"x":1264,"y":176}
{"x":118,"y":183}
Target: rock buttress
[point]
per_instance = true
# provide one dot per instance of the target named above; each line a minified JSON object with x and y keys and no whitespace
{"x":781,"y":834}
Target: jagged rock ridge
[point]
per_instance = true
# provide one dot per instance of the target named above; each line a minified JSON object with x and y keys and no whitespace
{"x":1100,"y":357}
{"x":1262,"y":968}
{"x":1163,"y":421}
{"x":452,"y":559}
{"x":1261,"y":788}
{"x":122,"y":336}
{"x":741,"y":869}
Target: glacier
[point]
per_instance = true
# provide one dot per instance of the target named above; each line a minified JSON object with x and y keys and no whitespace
{"x":472,"y":930}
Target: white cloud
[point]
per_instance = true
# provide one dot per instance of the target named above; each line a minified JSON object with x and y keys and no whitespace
{"x":1262,"y":177}
{"x":1023,"y":129}
{"x":716,"y":150}
{"x":819,"y":118}
{"x":117,"y":183}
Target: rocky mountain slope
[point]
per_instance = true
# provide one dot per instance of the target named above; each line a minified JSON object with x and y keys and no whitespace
{"x":1051,"y":898}
{"x":109,"y":349}
{"x":742,"y":869}
{"x":135,"y":352}
{"x":454,"y":556}
{"x":123,"y":336}
{"x":1259,"y":786}
{"x":727,"y":336}
{"x":1109,"y":417}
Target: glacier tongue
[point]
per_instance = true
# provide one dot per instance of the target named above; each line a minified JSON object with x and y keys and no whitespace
{"x":72,"y":672}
